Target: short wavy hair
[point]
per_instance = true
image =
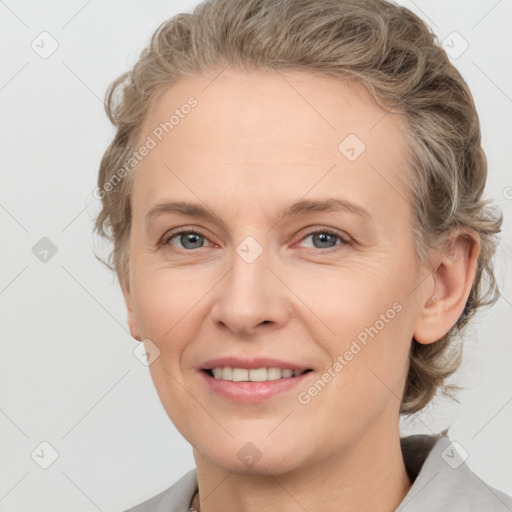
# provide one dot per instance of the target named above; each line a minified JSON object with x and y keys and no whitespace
{"x":382,"y":46}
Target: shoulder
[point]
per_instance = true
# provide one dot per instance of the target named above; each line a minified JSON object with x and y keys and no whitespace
{"x":176,"y":498}
{"x":445,"y":481}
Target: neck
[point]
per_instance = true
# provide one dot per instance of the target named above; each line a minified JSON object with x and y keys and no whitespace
{"x":369,"y":475}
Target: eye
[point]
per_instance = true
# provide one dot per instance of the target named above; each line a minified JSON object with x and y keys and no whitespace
{"x":326,"y":239}
{"x":189,"y":240}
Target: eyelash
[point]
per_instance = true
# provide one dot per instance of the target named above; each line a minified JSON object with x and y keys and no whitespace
{"x":345,"y":240}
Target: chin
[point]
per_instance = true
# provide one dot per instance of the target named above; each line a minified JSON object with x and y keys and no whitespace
{"x":259,"y":456}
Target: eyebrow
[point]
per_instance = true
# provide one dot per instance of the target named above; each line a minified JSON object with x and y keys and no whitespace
{"x":301,"y":207}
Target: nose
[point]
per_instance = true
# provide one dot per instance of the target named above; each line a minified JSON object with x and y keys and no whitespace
{"x":251,"y":297}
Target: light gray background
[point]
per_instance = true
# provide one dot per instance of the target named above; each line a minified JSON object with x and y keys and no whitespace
{"x":68,"y":374}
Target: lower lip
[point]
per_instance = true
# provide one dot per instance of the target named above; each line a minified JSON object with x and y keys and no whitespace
{"x":252,"y":392}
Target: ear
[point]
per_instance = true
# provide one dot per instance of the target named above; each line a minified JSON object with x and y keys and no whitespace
{"x":132,"y":320}
{"x":452,"y":278}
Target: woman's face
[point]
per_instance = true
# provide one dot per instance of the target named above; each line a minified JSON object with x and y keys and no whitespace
{"x":257,"y":278}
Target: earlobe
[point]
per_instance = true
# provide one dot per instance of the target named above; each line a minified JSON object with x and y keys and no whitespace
{"x":134,"y":332}
{"x":453,"y":278}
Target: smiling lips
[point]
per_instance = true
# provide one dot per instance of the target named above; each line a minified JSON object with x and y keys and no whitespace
{"x":251,"y":380}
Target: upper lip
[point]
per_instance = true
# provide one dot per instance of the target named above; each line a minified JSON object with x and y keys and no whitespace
{"x":251,"y":363}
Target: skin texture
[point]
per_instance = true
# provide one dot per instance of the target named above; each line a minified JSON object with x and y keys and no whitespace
{"x":255,"y":143}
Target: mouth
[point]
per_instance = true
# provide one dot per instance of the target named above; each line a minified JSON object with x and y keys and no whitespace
{"x":242,"y":385}
{"x":253,"y":375}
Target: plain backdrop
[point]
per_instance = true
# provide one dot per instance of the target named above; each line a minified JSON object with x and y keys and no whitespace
{"x":68,"y":375}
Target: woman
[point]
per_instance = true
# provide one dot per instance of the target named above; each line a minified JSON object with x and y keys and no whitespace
{"x":294,"y":195}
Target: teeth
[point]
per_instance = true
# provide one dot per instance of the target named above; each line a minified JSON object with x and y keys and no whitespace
{"x":239,"y":374}
{"x":257,"y":375}
{"x":274,"y":373}
{"x":254,"y":375}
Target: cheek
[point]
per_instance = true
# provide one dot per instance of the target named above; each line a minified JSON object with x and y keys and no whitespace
{"x":369,"y":325}
{"x":165,"y":304}
{"x":365,"y":371}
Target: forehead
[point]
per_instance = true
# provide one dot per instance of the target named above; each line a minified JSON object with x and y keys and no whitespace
{"x":279,"y":110}
{"x":274,"y":134}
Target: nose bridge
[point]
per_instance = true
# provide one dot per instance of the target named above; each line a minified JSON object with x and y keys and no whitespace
{"x":251,"y":293}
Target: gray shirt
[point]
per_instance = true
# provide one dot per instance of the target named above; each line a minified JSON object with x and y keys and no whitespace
{"x":442,"y":481}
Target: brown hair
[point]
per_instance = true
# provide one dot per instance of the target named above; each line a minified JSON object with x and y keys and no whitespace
{"x":382,"y":46}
